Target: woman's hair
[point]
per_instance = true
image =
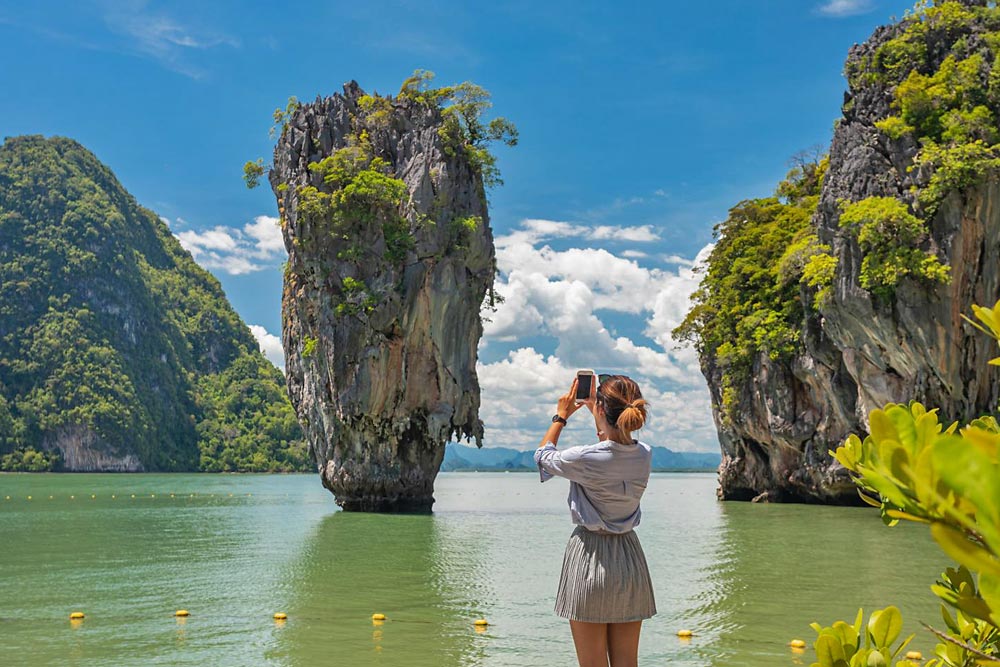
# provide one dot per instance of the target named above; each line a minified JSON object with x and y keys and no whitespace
{"x":623,"y":404}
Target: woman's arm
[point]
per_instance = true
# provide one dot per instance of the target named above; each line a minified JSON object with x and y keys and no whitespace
{"x":551,"y":462}
{"x":565,"y":408}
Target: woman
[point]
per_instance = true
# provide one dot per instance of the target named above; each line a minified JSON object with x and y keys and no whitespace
{"x":604,"y":589}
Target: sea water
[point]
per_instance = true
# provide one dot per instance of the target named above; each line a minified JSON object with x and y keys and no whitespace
{"x":130,"y":550}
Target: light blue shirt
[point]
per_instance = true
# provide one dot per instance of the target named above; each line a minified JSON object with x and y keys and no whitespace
{"x":607,"y":479}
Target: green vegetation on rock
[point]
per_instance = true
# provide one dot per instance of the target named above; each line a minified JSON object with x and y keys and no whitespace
{"x":359,"y":192}
{"x":889,"y":235}
{"x":463,"y":107}
{"x":112,"y":340}
{"x":748,"y":300}
{"x":943,"y":69}
{"x":940,"y":67}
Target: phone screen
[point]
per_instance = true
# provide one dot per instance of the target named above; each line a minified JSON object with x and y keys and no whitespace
{"x":583,"y":387}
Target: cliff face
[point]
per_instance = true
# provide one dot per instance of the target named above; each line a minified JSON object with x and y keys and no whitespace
{"x":390,"y":257}
{"x":859,"y":350}
{"x":117,"y":351}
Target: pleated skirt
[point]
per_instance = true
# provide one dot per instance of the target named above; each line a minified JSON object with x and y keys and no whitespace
{"x":604,"y":579}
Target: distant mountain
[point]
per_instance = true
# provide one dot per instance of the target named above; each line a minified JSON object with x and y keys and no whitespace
{"x":117,"y":351}
{"x":464,"y":457}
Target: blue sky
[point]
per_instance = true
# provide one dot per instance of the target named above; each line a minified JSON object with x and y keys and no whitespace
{"x":641,"y":124}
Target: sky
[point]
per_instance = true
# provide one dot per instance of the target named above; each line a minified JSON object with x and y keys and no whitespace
{"x":640,"y":124}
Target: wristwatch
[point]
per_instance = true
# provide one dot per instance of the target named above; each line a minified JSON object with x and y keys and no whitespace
{"x":557,"y":418}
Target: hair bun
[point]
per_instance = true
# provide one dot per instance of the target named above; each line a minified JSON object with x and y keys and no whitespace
{"x":633,"y":417}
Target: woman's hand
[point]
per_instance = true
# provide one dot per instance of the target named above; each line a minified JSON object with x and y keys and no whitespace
{"x":567,"y":404}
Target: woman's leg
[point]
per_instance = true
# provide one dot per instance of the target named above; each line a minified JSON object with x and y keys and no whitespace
{"x":623,"y":643}
{"x":591,"y":641}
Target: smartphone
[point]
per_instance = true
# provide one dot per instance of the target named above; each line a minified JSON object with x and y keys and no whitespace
{"x":584,"y":384}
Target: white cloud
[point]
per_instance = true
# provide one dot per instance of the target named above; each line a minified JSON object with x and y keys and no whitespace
{"x":534,"y":230}
{"x":265,"y":230}
{"x":257,"y":246}
{"x":563,"y":295}
{"x":270,"y":345}
{"x":158,"y":35}
{"x":839,"y":8}
{"x":220,"y":238}
{"x":633,"y":254}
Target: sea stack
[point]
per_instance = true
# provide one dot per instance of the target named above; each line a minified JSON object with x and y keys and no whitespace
{"x":391,"y":255}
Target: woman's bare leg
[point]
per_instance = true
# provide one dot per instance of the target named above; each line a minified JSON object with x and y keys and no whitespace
{"x":623,"y":643}
{"x":591,"y":641}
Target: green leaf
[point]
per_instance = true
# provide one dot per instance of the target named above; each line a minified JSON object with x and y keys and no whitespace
{"x":881,"y":427}
{"x":948,"y":620}
{"x":903,"y":420}
{"x":989,"y":589}
{"x":884,"y":626}
{"x":868,"y":499}
{"x":896,"y":514}
{"x":830,"y":652}
{"x":968,"y":553}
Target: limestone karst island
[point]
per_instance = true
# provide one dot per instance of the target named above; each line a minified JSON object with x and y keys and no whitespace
{"x":320,"y":338}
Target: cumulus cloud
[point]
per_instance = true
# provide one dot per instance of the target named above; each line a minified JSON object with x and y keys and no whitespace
{"x":570,"y":297}
{"x":839,"y":8}
{"x":269,"y":344}
{"x":236,"y":251}
{"x":519,"y":394}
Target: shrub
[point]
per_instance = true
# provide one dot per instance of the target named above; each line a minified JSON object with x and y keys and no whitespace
{"x":914,"y":468}
{"x":889,"y":236}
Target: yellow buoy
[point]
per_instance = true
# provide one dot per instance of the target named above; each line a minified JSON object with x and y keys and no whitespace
{"x":171,"y":495}
{"x":51,"y":497}
{"x":685,"y":633}
{"x":280,"y":616}
{"x":797,"y":643}
{"x":29,"y":497}
{"x":378,"y":617}
{"x":113,"y":496}
{"x":6,"y":497}
{"x":914,"y":655}
{"x":182,"y":613}
{"x":76,"y":615}
{"x":92,"y":496}
{"x":482,"y":622}
{"x":133,"y":495}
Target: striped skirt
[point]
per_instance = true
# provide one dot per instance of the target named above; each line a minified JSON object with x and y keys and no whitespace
{"x":604,"y":579}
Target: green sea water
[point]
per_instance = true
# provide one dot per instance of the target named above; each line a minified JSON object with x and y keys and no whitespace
{"x":233,"y":550}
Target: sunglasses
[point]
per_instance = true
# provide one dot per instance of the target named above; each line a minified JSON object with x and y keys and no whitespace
{"x":601,"y":377}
